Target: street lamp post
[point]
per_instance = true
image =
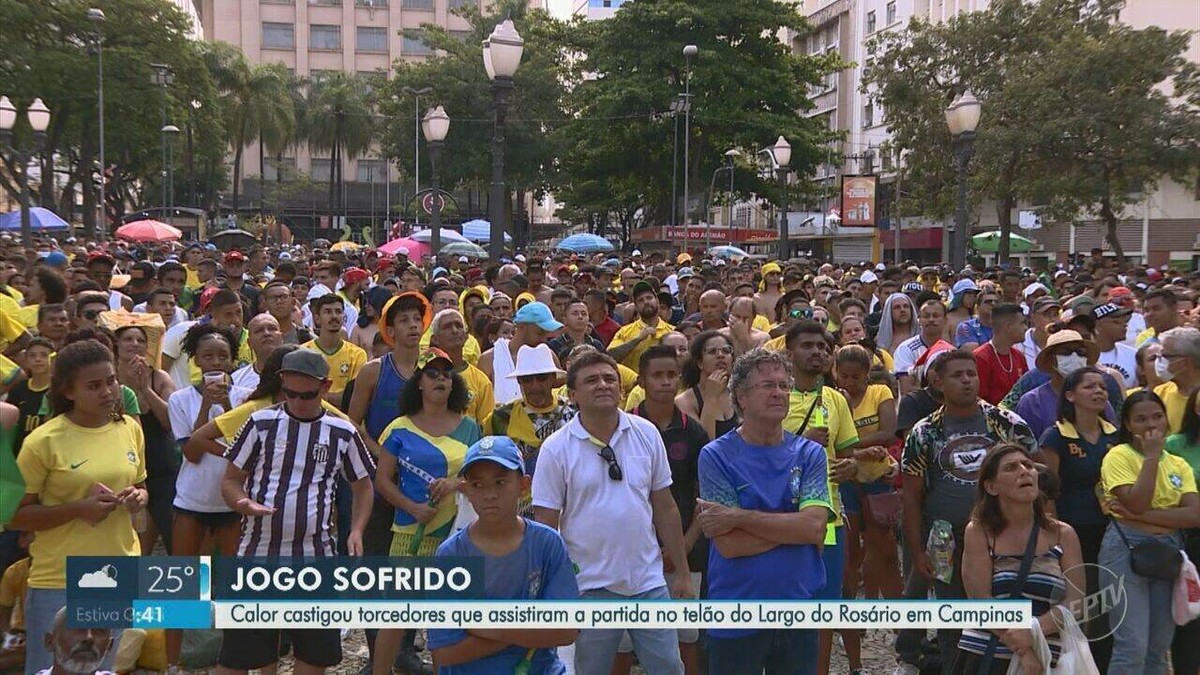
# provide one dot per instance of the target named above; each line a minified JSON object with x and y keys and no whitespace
{"x":962,"y":116}
{"x":501,"y":57}
{"x":730,"y":155}
{"x":38,"y":116}
{"x":169,"y":133}
{"x":435,"y":126}
{"x":96,"y":16}
{"x":163,"y":77}
{"x":688,"y":52}
{"x":782,"y":152}
{"x":416,"y":94}
{"x":191,"y":158}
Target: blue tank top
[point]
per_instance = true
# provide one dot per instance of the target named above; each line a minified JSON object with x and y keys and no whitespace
{"x":385,"y":403}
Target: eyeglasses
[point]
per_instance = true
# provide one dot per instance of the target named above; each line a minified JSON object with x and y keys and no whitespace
{"x":439,"y":373}
{"x":716,"y":351}
{"x":302,"y":395}
{"x":540,"y":377}
{"x":614,"y":469}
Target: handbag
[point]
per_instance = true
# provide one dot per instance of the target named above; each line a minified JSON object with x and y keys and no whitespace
{"x":887,"y":509}
{"x":1152,"y":559}
{"x":1185,"y":604}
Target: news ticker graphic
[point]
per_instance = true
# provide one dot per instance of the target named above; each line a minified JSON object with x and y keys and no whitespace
{"x":203,"y":592}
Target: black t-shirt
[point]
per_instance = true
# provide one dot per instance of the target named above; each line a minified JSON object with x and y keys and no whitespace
{"x":28,"y":402}
{"x":684,"y":437}
{"x":914,"y":407}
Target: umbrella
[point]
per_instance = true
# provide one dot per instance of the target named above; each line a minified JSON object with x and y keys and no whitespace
{"x":732,"y":252}
{"x":227,"y":240}
{"x":346,"y":246}
{"x":585,"y":243}
{"x":466,"y":248}
{"x":416,"y":249}
{"x":41,"y":219}
{"x":481,"y":231}
{"x":148,"y":230}
{"x":447,"y":236}
{"x":989,"y":242}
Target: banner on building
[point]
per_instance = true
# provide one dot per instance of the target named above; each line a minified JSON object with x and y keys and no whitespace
{"x":858,"y":201}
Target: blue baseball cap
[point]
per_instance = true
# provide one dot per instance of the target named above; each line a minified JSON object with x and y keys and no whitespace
{"x":538,"y":314}
{"x":56,"y":259}
{"x":499,"y":449}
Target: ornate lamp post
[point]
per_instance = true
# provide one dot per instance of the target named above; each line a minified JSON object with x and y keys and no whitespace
{"x":38,"y":116}
{"x":435,"y":126}
{"x":96,"y":16}
{"x":782,"y":151}
{"x":962,"y":116}
{"x":688,"y":52}
{"x":501,"y":57}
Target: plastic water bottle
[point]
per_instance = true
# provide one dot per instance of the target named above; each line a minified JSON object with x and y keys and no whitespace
{"x":940,"y":548}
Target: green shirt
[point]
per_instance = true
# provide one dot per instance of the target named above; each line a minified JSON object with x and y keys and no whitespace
{"x":129,"y":400}
{"x":1177,"y":444}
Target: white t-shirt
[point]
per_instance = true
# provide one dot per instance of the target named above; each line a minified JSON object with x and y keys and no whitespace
{"x":180,"y":314}
{"x":607,"y":524}
{"x":1123,"y":359}
{"x":172,"y":346}
{"x":1030,"y":349}
{"x":245,"y":377}
{"x":1137,"y":324}
{"x":198,"y":486}
{"x":907,"y":354}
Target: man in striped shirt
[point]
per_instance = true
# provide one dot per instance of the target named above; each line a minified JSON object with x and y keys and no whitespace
{"x":282,"y":477}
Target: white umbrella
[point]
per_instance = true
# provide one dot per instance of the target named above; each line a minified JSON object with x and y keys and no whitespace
{"x":447,"y":235}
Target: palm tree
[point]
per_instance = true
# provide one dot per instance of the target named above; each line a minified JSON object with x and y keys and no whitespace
{"x":338,"y":119}
{"x":257,"y":103}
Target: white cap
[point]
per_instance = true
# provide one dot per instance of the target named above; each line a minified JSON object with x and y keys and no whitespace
{"x":879,"y":267}
{"x":462,"y":258}
{"x":403,"y":250}
{"x":636,"y":252}
{"x":520,"y":257}
{"x":1034,"y":288}
{"x":318,"y":290}
{"x":869,"y":277}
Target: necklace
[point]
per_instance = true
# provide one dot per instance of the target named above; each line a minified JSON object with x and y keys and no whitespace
{"x":1011,"y":364}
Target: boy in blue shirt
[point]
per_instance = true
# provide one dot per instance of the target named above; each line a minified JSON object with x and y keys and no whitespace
{"x":524,"y":560}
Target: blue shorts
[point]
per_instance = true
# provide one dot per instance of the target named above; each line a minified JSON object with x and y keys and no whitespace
{"x":834,"y":559}
{"x":852,"y":493}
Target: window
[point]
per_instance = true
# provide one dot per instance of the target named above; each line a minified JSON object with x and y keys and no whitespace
{"x":278,"y":35}
{"x":371,"y":3}
{"x":319,"y":170}
{"x":326,"y":3}
{"x":461,"y":35}
{"x":459,"y":4}
{"x":371,"y":171}
{"x":868,"y":115}
{"x":324,"y":37}
{"x":886,"y":159}
{"x":415,"y":44}
{"x":891,"y":12}
{"x":372,"y":39}
{"x":275,"y":169}
{"x":418,"y":4}
{"x":870,"y":22}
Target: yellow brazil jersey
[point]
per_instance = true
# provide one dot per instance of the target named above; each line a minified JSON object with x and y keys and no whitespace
{"x":244,"y":357}
{"x":26,"y":315}
{"x":1123,"y":463}
{"x":193,"y":278}
{"x":10,"y":372}
{"x":761,"y":323}
{"x":63,"y":462}
{"x":344,"y":362}
{"x":832,"y":412}
{"x":1143,"y":336}
{"x":483,"y":397}
{"x":11,"y":329}
{"x":471,"y":349}
{"x":230,"y":422}
{"x":777,"y":344}
{"x":629,"y":332}
{"x":866,"y":413}
{"x":13,"y":585}
{"x":1176,"y":404}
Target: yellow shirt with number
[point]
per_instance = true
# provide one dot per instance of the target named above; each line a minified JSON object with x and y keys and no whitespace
{"x":629,"y":333}
{"x":1123,"y":463}
{"x":63,"y":462}
{"x":344,"y":362}
{"x":837,"y":419}
{"x":1176,"y":404}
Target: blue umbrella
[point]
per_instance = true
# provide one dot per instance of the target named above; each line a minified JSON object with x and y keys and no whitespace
{"x":42,"y":220}
{"x":481,"y":231}
{"x":585,"y":243}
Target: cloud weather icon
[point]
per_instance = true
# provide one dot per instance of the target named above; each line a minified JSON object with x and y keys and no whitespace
{"x":105,"y":577}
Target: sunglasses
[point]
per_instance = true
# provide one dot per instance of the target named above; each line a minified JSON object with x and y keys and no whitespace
{"x":302,"y":395}
{"x":439,"y":373}
{"x":614,"y":469}
{"x":541,"y":377}
{"x":801,"y":313}
{"x":1079,"y":351}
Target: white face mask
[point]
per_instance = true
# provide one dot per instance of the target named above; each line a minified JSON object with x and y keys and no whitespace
{"x":1069,"y":363}
{"x":1162,"y":368}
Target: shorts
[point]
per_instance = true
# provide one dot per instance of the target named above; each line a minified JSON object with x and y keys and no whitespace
{"x":251,"y":648}
{"x":211,"y":521}
{"x":852,"y":494}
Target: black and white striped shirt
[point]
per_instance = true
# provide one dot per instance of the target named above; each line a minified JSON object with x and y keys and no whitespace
{"x":293,"y":466}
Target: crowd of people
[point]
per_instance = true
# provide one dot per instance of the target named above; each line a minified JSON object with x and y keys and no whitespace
{"x":611,"y":426}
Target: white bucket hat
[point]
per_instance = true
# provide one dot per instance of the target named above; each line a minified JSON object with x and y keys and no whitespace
{"x":537,"y":360}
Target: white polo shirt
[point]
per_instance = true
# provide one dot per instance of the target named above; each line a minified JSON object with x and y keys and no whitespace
{"x":607,"y":524}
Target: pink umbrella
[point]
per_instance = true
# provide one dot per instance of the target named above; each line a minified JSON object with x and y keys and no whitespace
{"x":416,"y":249}
{"x":148,"y":230}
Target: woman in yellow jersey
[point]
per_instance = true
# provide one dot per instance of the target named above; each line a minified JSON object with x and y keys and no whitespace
{"x":84,"y":473}
{"x":1152,"y":497}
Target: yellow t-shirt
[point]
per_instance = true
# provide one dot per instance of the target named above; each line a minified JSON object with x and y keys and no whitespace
{"x":63,"y":462}
{"x":629,"y":332}
{"x":471,"y":349}
{"x":344,"y":363}
{"x":11,"y":329}
{"x":193,"y":278}
{"x":26,"y":315}
{"x":10,"y":372}
{"x":761,"y":323}
{"x":833,"y":414}
{"x":778,"y":344}
{"x":636,"y":396}
{"x":1176,"y":404}
{"x":866,"y":413}
{"x":1143,"y":336}
{"x":12,"y":592}
{"x":483,"y":397}
{"x":230,"y":422}
{"x":1123,"y":463}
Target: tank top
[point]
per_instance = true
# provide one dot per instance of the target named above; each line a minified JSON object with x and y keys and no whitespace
{"x":722,"y":427}
{"x":385,"y":403}
{"x":1045,"y":587}
{"x":162,"y":457}
{"x":505,"y":389}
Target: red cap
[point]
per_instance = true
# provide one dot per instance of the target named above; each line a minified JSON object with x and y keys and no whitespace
{"x":384,"y":263}
{"x":474,"y":273}
{"x":1153,"y":274}
{"x":1119,"y":292}
{"x":353,"y":275}
{"x":205,"y":297}
{"x":235,"y":256}
{"x":101,"y":256}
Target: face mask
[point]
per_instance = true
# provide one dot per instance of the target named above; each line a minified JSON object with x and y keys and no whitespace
{"x":1162,"y":368}
{"x":1069,"y":363}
